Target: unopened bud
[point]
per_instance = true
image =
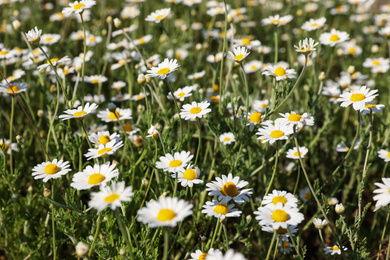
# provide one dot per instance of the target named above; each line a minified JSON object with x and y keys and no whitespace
{"x":260,"y":49}
{"x":122,"y":251}
{"x":374,"y":48}
{"x":47,"y":192}
{"x":140,"y":108}
{"x":248,"y":218}
{"x":148,"y":78}
{"x":340,"y":208}
{"x":16,"y":24}
{"x":53,"y":88}
{"x":82,"y":249}
{"x":299,"y":12}
{"x":18,"y":138}
{"x":141,"y":79}
{"x":306,"y":87}
{"x":109,"y":19}
{"x":40,"y":113}
{"x":351,"y":69}
{"x":158,"y":126}
{"x":117,"y":22}
{"x":321,"y":76}
{"x":145,"y":182}
{"x":235,"y":76}
{"x":102,"y":235}
{"x":198,"y":46}
{"x":340,"y":52}
{"x":112,"y":107}
{"x":164,"y":194}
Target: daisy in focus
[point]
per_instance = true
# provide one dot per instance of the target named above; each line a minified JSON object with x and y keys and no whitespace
{"x":120,"y":114}
{"x":34,"y":35}
{"x":195,"y":110}
{"x":278,"y":196}
{"x":383,"y":154}
{"x":94,"y":176}
{"x":358,"y":98}
{"x":163,"y":69}
{"x":103,"y":138}
{"x":166,"y":211}
{"x":227,"y":138}
{"x":200,"y":255}
{"x":189,"y":177}
{"x":50,"y":170}
{"x":279,"y":216}
{"x":306,"y":46}
{"x":273,"y":132}
{"x":220,"y":210}
{"x":293,"y":153}
{"x":383,"y":195}
{"x":253,"y":119}
{"x":291,"y":119}
{"x":112,"y":196}
{"x":103,"y":150}
{"x":280,"y":72}
{"x":181,"y":93}
{"x":238,"y":54}
{"x":175,"y":163}
{"x":79,"y":113}
{"x":334,"y":250}
{"x":229,"y":188}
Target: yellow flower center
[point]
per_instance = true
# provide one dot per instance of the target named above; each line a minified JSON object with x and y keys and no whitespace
{"x":166,"y":215}
{"x":280,"y":71}
{"x":92,"y":39}
{"x":285,"y":244}
{"x":182,"y":94}
{"x":255,"y":117}
{"x":202,"y":256}
{"x":175,"y":163}
{"x":195,"y":110}
{"x":278,"y":199}
{"x":279,"y":215}
{"x":307,"y":195}
{"x":52,"y":61}
{"x":104,"y":150}
{"x":78,"y":6}
{"x":215,"y":88}
{"x":51,"y":169}
{"x":163,"y":71}
{"x":334,"y":38}
{"x":370,"y":106}
{"x":3,"y":52}
{"x":121,"y":63}
{"x":264,"y":105}
{"x":294,"y":117}
{"x":111,"y":198}
{"x":14,"y":88}
{"x":178,"y":55}
{"x":314,"y":24}
{"x":276,"y":134}
{"x":113,"y":116}
{"x":80,"y":114}
{"x":96,"y":178}
{"x":246,"y":41}
{"x":253,"y":67}
{"x":352,"y":50}
{"x":214,"y":99}
{"x":296,"y":154}
{"x":189,"y":174}
{"x":335,"y":248}
{"x":141,"y":41}
{"x":160,"y":17}
{"x":229,"y":189}
{"x":3,"y":146}
{"x":388,"y":155}
{"x":357,"y":97}
{"x":275,"y":21}
{"x":226,"y":139}
{"x":48,"y":39}
{"x":95,"y":81}
{"x":376,"y":63}
{"x":104,"y":139}
{"x":128,"y":127}
{"x":239,"y":57}
{"x":221,"y":209}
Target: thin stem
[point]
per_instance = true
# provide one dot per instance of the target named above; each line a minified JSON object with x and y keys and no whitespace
{"x":99,"y":220}
{"x":52,"y":221}
{"x":199,"y":142}
{"x":274,"y":172}
{"x":271,"y":246}
{"x":124,"y":233}
{"x":85,"y":46}
{"x":293,"y":242}
{"x":276,"y":45}
{"x":247,"y":91}
{"x":177,"y":111}
{"x":222,"y":58}
{"x":166,"y":244}
{"x":10,"y":134}
{"x":276,"y":247}
{"x":215,"y":233}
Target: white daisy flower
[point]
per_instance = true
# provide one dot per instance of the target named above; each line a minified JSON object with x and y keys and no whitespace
{"x":166,"y":211}
{"x":306,"y":46}
{"x":103,"y":138}
{"x":197,"y":75}
{"x":382,"y":153}
{"x":229,"y":255}
{"x":333,"y":201}
{"x":252,"y":66}
{"x":78,"y":7}
{"x":118,"y":85}
{"x":50,"y":39}
{"x":121,"y":98}
{"x":279,"y":216}
{"x":295,"y":119}
{"x":139,"y":96}
{"x":195,"y":110}
{"x":375,"y":62}
{"x":372,"y":107}
{"x":153,"y":132}
{"x":137,"y":140}
{"x":34,"y":35}
{"x":80,"y":112}
{"x":280,"y":72}
{"x":189,"y":177}
{"x":51,"y":170}
{"x":13,"y":88}
{"x":253,"y":119}
{"x":383,"y":197}
{"x":260,"y":105}
{"x":285,"y":247}
{"x":358,"y":98}
{"x":120,"y":114}
{"x":163,"y":69}
{"x":158,"y":15}
{"x":55,"y":62}
{"x":343,"y":148}
{"x":127,"y":128}
{"x":273,"y":132}
{"x":199,"y":254}
{"x":104,"y":150}
{"x":305,"y":194}
{"x":278,"y":196}
{"x":247,"y":42}
{"x":220,"y":210}
{"x":334,"y":250}
{"x":319,"y":223}
{"x":277,"y":20}
{"x":227,"y":138}
{"x":238,"y":54}
{"x":111,"y":196}
{"x":94,"y":176}
{"x":314,"y":24}
{"x":175,"y":163}
{"x":6,"y":145}
{"x":293,"y":153}
{"x":229,"y":188}
{"x":95,"y":79}
{"x":281,"y":233}
{"x":333,"y":38}
{"x":181,"y":93}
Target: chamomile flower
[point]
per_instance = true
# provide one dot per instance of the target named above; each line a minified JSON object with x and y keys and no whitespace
{"x":281,"y":233}
{"x":103,"y":138}
{"x":220,"y":210}
{"x":279,"y":216}
{"x":375,"y":62}
{"x":306,"y":46}
{"x":372,"y":107}
{"x":112,"y":196}
{"x":305,"y":194}
{"x":95,"y":79}
{"x":334,"y":250}
{"x":333,"y":38}
{"x":6,"y":145}
{"x":319,"y":223}
{"x":104,"y":150}
{"x":158,"y":15}
{"x":314,"y":24}
{"x":181,"y":93}
{"x":279,"y":196}
{"x":13,"y":88}
{"x":285,"y":247}
{"x":120,"y":114}
{"x":273,"y":132}
{"x":277,"y":20}
{"x":201,"y":255}
{"x":94,"y":176}
{"x":358,"y":98}
{"x":189,"y":177}
{"x":253,"y":119}
{"x":55,"y":62}
{"x":252,"y":66}
{"x":166,"y":211}
{"x":343,"y":148}
{"x":293,"y":153}
{"x":291,"y":119}
{"x":260,"y":105}
{"x":127,"y":128}
{"x":238,"y":54}
{"x":137,"y":140}
{"x":229,"y":188}
{"x":34,"y":35}
{"x":280,"y":72}
{"x":175,"y":163}
{"x":50,"y":39}
{"x":79,"y":113}
{"x":163,"y":69}
{"x":333,"y":201}
{"x":195,"y":110}
{"x":227,"y":138}
{"x":384,"y":154}
{"x":51,"y":170}
{"x":229,"y":255}
{"x":153,"y":132}
{"x":78,"y":7}
{"x":383,"y":197}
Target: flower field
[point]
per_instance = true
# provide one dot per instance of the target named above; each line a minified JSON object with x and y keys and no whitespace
{"x":194,"y":129}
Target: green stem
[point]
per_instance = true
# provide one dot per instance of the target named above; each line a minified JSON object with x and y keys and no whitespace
{"x":166,"y":244}
{"x":276,"y":45}
{"x":274,"y":172}
{"x":199,"y":142}
{"x":85,"y":45}
{"x":293,"y":241}
{"x":10,"y":134}
{"x":271,"y":246}
{"x":99,"y":220}
{"x":52,"y":221}
{"x":215,"y":233}
{"x":177,"y":111}
{"x":124,"y":233}
{"x":222,"y":59}
{"x":247,"y":91}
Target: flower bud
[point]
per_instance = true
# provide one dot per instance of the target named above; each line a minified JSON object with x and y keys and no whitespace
{"x":117,"y":22}
{"x":18,"y":138}
{"x":122,"y":251}
{"x":109,"y":19}
{"x":374,"y":48}
{"x":351,"y":69}
{"x":145,"y":182}
{"x":148,"y":78}
{"x":40,"y":113}
{"x":340,"y":208}
{"x":198,"y":46}
{"x":340,"y":52}
{"x":16,"y":24}
{"x":141,"y":79}
{"x":82,"y":249}
{"x":140,"y":108}
{"x":47,"y":192}
{"x":319,"y":224}
{"x":112,"y":107}
{"x":299,"y":12}
{"x":321,"y":76}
